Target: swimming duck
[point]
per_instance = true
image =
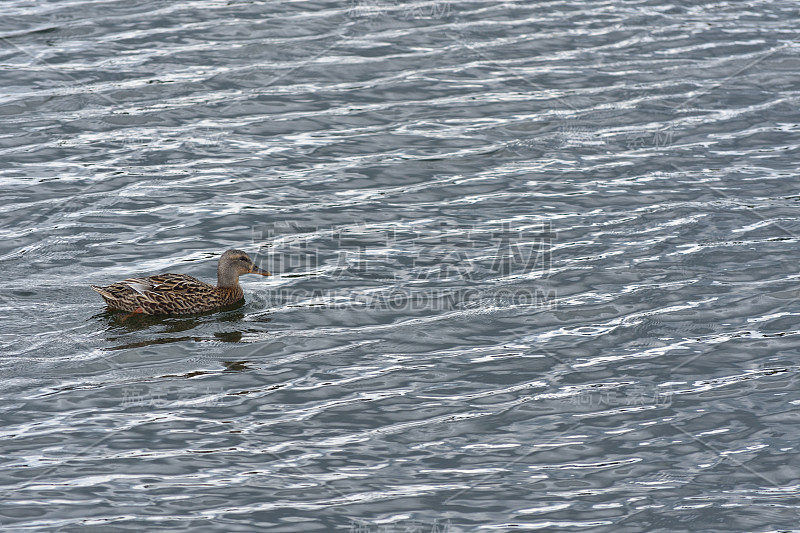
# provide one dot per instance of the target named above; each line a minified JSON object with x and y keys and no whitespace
{"x":180,"y":294}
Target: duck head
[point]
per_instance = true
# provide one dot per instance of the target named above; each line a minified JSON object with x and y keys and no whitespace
{"x":233,"y":264}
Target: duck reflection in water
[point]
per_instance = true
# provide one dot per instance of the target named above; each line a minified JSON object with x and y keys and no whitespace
{"x":120,"y":327}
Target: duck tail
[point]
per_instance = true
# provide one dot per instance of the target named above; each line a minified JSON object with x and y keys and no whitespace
{"x":103,"y":292}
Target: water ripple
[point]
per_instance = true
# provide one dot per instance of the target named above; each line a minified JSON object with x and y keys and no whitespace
{"x":521,"y":252}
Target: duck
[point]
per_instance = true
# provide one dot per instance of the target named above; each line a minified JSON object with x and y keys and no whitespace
{"x":181,"y":294}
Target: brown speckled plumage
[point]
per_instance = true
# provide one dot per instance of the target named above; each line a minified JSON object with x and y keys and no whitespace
{"x":180,"y":294}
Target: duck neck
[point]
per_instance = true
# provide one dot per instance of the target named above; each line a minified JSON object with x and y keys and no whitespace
{"x":227,"y":278}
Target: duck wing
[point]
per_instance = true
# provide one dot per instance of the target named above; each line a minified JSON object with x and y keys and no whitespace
{"x":166,"y":284}
{"x":155,"y":285}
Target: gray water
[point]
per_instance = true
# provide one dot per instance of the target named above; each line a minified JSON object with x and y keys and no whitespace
{"x":534,"y":266}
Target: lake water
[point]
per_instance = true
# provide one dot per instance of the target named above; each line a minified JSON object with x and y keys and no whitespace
{"x":535,"y":266}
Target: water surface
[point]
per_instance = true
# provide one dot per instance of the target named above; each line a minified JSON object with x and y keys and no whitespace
{"x":535,"y":266}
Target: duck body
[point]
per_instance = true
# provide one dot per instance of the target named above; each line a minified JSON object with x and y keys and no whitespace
{"x":167,"y":294}
{"x":181,"y":294}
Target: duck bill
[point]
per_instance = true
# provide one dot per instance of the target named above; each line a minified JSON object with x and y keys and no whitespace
{"x":256,"y":270}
